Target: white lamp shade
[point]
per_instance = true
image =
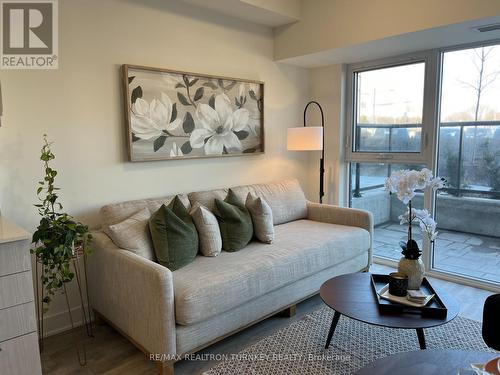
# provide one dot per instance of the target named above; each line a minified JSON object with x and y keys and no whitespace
{"x":308,"y":138}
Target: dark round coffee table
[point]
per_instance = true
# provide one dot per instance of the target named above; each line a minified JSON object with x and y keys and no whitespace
{"x":352,"y":295}
{"x":428,"y":362}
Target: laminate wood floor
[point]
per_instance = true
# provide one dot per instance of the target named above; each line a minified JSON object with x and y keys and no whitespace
{"x":109,"y":353}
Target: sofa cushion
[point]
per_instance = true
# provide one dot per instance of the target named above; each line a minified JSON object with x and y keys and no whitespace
{"x":235,"y":222}
{"x":300,"y":248}
{"x":262,"y":218}
{"x":132,"y":234}
{"x":175,"y":239}
{"x":286,"y":198}
{"x":208,"y":231}
{"x":117,"y":212}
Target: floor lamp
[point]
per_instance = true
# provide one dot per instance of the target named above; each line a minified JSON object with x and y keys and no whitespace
{"x":310,"y":138}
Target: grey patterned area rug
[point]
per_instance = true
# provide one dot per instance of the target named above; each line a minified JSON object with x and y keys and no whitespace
{"x":299,"y":348}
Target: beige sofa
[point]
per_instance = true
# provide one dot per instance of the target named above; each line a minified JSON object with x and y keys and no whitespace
{"x":169,"y":314}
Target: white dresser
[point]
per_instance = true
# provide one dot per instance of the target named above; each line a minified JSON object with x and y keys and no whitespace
{"x":19,"y":354}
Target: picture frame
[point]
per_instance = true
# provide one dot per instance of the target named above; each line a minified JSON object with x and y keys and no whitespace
{"x":171,"y":114}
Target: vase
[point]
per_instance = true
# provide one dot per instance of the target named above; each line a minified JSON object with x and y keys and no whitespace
{"x":414,"y":269}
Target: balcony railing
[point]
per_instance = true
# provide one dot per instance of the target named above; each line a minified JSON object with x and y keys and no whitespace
{"x":458,"y":187}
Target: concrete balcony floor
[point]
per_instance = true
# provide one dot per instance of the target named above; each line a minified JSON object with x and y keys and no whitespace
{"x":460,"y":253}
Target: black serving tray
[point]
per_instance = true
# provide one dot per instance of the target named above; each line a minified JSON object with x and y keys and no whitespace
{"x":435,"y":308}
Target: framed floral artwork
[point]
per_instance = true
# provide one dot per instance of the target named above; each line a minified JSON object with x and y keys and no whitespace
{"x":178,"y":115}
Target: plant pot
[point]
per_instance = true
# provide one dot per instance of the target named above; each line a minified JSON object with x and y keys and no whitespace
{"x":414,"y":269}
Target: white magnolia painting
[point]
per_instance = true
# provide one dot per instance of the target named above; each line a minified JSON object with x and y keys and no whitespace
{"x":172,"y":115}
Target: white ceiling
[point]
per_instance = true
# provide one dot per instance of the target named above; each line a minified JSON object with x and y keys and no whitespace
{"x":260,"y":12}
{"x":417,"y":41}
{"x":275,"y":13}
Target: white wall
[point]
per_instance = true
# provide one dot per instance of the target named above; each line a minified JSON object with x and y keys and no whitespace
{"x":79,"y":106}
{"x":326,"y":86}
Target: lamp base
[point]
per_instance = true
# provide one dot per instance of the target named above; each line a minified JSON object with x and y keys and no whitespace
{"x":321,"y":179}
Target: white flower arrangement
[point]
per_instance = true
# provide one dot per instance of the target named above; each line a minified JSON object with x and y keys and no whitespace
{"x":404,"y":183}
{"x":426,"y":222}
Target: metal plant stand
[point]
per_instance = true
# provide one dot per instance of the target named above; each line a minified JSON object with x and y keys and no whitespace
{"x":79,"y":259}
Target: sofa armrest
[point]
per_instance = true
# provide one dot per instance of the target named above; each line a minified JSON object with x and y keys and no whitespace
{"x":135,"y":294}
{"x":343,"y":216}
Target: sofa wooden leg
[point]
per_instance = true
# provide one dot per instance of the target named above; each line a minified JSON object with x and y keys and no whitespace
{"x":98,"y":319}
{"x":165,"y":368}
{"x":289,"y":311}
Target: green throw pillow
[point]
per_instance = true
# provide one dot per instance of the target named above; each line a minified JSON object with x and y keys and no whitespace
{"x":235,"y":222}
{"x":175,"y":239}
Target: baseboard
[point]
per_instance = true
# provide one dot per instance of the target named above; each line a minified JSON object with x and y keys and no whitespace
{"x":59,"y":322}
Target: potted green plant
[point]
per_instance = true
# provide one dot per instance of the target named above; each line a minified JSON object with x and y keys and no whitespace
{"x":58,"y":236}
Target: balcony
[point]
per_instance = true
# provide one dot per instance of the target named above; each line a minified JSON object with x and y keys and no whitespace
{"x":467,"y":209}
{"x":460,"y":253}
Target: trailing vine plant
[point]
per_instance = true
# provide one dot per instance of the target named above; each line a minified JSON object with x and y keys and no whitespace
{"x":58,"y":235}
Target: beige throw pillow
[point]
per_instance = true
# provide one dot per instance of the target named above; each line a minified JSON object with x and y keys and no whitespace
{"x":208,"y":231}
{"x":262,"y":217}
{"x":133,"y":234}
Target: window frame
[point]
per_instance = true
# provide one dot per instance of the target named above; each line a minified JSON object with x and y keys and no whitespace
{"x":429,"y":111}
{"x":430,"y":140}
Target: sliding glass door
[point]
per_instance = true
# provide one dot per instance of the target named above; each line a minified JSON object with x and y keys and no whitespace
{"x":439,"y":109}
{"x":468,"y":209}
{"x":367,"y":192}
